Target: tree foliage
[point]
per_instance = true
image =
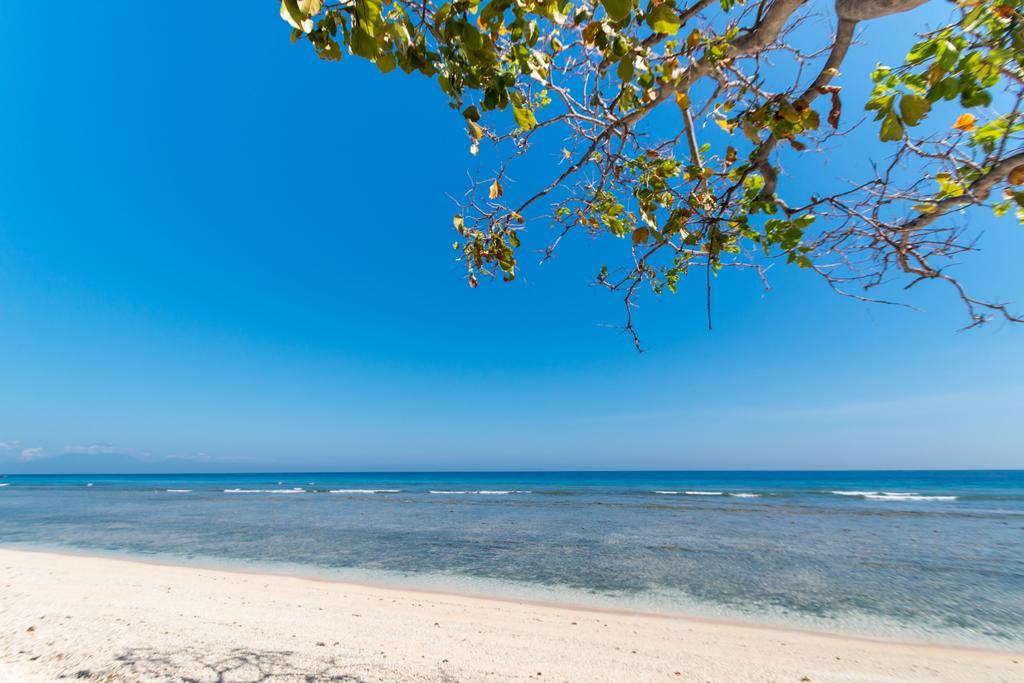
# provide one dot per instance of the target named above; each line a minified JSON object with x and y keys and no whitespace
{"x":947,"y":119}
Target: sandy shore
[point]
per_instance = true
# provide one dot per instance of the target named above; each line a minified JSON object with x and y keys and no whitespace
{"x":87,"y":618}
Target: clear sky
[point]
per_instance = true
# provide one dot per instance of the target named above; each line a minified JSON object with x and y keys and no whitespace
{"x":218,"y":253}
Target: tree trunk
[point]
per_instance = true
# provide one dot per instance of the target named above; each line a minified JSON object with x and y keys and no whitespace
{"x":862,"y":10}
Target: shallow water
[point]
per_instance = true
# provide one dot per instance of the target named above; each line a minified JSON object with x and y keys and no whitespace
{"x":919,"y":555}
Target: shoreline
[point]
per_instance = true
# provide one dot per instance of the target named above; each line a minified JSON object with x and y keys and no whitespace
{"x":122,"y":619}
{"x":268,"y":570}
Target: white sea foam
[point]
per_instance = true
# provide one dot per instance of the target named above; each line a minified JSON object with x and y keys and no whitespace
{"x":707,"y":493}
{"x":4,"y":484}
{"x":499,"y":493}
{"x":907,"y":496}
{"x":745,"y":495}
{"x":892,"y":495}
{"x":264,"y":490}
{"x":365,"y":491}
{"x":478,"y":493}
{"x":179,"y":490}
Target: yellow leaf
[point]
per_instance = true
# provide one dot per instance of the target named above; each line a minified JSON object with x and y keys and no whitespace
{"x":965,"y":122}
{"x":725,"y":125}
{"x":683,"y":100}
{"x":496,"y":190}
{"x":566,"y":153}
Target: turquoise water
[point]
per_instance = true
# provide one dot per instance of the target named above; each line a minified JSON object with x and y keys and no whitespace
{"x":918,"y":555}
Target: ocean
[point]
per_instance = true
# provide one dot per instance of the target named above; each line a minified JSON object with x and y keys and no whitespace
{"x":923,"y":556}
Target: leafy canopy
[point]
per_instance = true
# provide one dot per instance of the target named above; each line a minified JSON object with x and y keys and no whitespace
{"x":948,"y":122}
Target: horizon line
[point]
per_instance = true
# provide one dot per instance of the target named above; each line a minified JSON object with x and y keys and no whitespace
{"x":567,"y":471}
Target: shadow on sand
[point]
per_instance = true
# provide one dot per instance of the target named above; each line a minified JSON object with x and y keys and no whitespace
{"x":235,"y":666}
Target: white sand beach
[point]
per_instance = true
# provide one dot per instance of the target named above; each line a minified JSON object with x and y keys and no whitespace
{"x":88,"y":618}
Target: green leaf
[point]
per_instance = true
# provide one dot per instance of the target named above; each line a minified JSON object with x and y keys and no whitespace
{"x":524,"y":117}
{"x":892,"y":128}
{"x":625,"y":69}
{"x":913,"y":108}
{"x":946,"y":89}
{"x":363,"y":44}
{"x":292,"y":12}
{"x":385,"y":61}
{"x":922,"y":51}
{"x":881,"y":71}
{"x":975,"y":98}
{"x":292,"y":7}
{"x":617,"y":9}
{"x":991,"y":132}
{"x":663,"y":19}
{"x":947,"y":54}
{"x":949,"y":186}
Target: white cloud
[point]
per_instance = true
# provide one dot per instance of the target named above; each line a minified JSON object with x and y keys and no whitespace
{"x":13,"y":447}
{"x":29,"y":454}
{"x":96,"y":449}
{"x":195,"y":457}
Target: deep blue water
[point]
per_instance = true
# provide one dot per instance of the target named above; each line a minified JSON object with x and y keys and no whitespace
{"x":922,"y":555}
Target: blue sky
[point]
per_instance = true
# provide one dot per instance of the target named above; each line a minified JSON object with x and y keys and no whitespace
{"x":218,"y":253}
